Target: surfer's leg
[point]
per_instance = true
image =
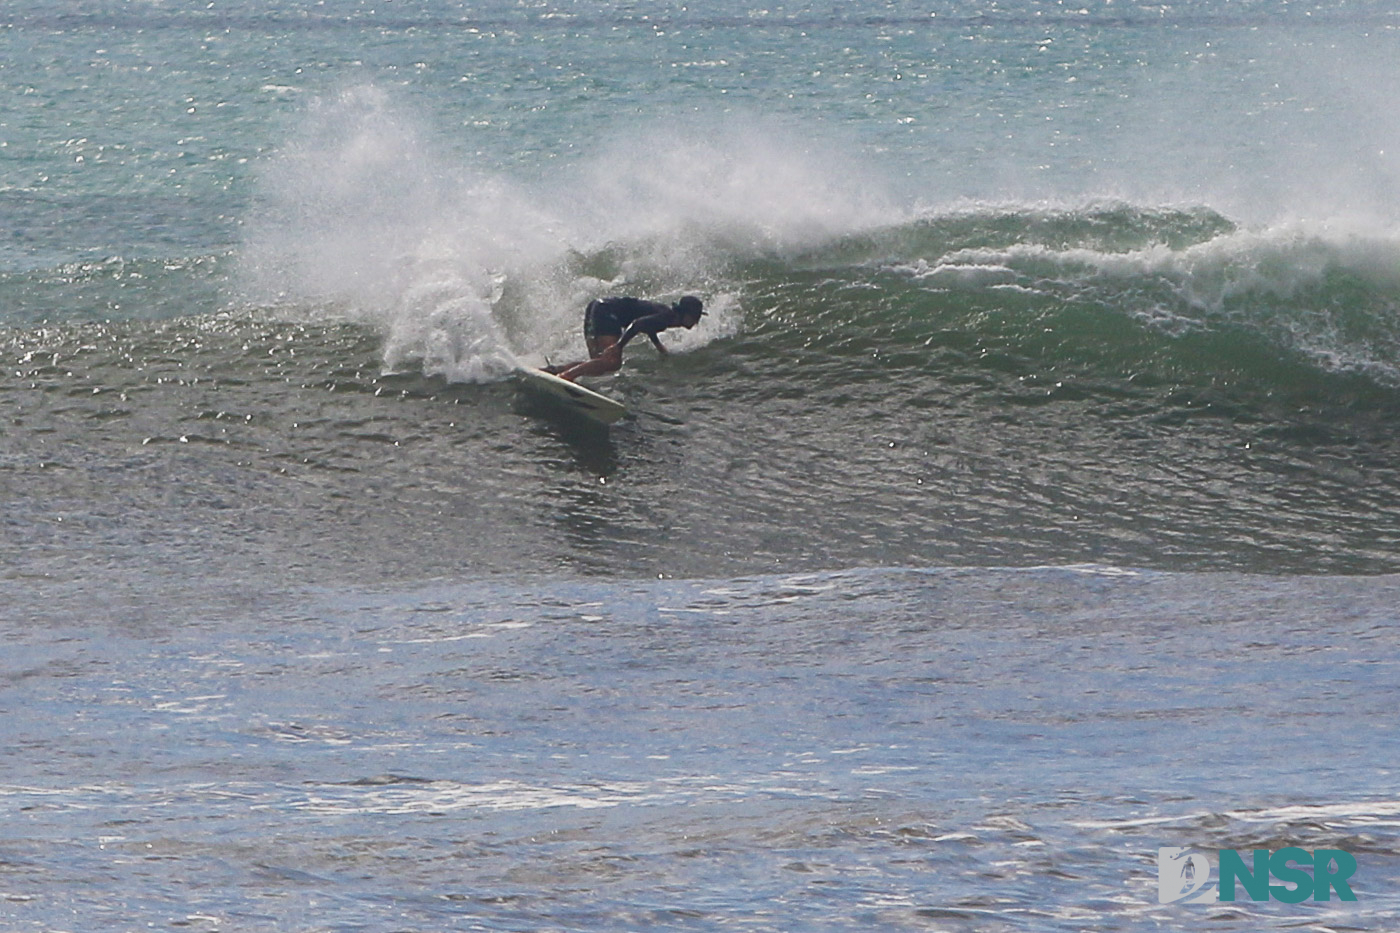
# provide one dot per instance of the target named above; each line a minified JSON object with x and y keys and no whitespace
{"x":607,"y":360}
{"x":600,"y":331}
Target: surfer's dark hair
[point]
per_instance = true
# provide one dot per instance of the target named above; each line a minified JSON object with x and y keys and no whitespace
{"x":690,"y":305}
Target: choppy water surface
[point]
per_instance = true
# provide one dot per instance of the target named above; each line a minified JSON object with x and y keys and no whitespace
{"x":956,"y":749}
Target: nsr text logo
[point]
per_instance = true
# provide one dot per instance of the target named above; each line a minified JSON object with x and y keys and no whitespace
{"x":1183,"y":875}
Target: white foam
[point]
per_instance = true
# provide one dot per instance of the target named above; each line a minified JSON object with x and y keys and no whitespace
{"x":468,"y":272}
{"x":1279,"y":279}
{"x":443,"y":797}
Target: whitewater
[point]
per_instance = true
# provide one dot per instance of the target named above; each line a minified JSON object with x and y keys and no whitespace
{"x":1024,"y":504}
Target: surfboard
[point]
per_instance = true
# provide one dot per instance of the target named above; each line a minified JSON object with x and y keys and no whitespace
{"x":572,"y":396}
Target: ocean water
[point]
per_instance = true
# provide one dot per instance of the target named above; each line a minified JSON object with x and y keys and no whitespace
{"x":1026,"y":502}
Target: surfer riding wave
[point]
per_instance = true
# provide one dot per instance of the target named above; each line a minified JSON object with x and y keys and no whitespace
{"x":609,"y":323}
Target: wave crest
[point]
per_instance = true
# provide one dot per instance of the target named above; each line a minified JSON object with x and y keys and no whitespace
{"x":468,"y":273}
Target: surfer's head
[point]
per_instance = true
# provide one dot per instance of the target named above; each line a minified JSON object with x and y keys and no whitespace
{"x":690,"y":309}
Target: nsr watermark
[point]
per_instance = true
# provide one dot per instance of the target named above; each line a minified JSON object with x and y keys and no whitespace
{"x":1183,"y":875}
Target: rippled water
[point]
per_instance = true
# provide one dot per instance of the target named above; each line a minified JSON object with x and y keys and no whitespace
{"x":966,"y":749}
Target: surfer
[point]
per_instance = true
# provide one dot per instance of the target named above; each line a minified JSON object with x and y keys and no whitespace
{"x":609,"y":323}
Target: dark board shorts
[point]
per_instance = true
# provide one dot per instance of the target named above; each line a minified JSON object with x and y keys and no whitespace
{"x":600,"y":321}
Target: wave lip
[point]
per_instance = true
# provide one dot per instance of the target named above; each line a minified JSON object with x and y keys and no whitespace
{"x":1182,"y":285}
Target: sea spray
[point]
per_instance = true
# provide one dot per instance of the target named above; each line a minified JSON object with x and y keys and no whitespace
{"x":716,"y":184}
{"x":469,"y":273}
{"x":359,"y":212}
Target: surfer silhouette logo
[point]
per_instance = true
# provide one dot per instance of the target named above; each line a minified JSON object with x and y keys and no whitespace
{"x":1183,"y":877}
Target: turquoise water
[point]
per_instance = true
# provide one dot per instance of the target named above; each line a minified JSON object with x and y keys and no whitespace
{"x":1024,"y":503}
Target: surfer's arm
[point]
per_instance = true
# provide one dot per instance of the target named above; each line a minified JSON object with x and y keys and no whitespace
{"x":648,"y":325}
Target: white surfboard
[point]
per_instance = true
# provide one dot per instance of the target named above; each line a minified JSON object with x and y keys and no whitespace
{"x":572,"y":396}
